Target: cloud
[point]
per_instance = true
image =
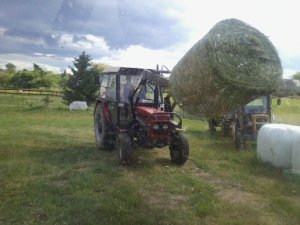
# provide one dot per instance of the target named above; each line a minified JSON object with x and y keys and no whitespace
{"x":133,"y":56}
{"x":82,"y":42}
{"x":46,"y":61}
{"x":134,"y":31}
{"x":139,"y":56}
{"x":288,"y":73}
{"x":11,"y":43}
{"x":70,"y":26}
{"x":122,"y":22}
{"x":147,"y":23}
{"x":291,"y":66}
{"x":72,"y":15}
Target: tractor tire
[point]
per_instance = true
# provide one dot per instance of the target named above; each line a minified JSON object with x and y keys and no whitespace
{"x":104,"y":141}
{"x":179,"y":149}
{"x":238,"y":138}
{"x":124,"y":149}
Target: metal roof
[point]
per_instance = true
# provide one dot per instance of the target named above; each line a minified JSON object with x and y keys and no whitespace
{"x":111,"y":69}
{"x":149,"y":75}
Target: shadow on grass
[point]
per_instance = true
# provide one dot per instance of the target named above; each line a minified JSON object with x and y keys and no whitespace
{"x":165,"y":162}
{"x":199,"y":134}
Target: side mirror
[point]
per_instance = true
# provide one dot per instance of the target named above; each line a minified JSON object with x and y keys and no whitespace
{"x":278,"y":101}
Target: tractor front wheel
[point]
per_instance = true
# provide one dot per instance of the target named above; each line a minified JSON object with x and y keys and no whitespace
{"x":179,"y":149}
{"x":124,"y":149}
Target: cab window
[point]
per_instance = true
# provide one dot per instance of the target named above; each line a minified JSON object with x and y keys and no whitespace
{"x":108,"y":87}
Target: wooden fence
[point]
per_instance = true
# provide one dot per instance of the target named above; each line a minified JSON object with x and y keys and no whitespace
{"x":31,"y":92}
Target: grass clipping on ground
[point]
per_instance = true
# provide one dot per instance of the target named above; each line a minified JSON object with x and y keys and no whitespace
{"x":231,"y":65}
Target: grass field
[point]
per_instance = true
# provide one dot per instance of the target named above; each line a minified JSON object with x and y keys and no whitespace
{"x":51,"y":173}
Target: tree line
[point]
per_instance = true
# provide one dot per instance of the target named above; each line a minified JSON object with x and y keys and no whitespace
{"x":28,"y":79}
{"x":79,"y":85}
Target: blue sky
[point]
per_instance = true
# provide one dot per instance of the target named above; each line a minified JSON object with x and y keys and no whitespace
{"x":134,"y":32}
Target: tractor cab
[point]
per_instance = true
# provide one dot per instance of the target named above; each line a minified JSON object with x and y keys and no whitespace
{"x":256,"y":113}
{"x":132,"y":107}
{"x":245,"y":121}
{"x":249,"y":118}
{"x":131,"y":91}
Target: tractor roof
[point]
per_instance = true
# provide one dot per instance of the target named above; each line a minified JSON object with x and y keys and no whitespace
{"x":150,"y":75}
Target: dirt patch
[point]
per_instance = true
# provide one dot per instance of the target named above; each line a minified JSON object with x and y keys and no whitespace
{"x":59,"y":183}
{"x":157,"y":196}
{"x":235,"y":196}
{"x":154,"y":199}
{"x":229,"y":193}
{"x":82,"y":167}
{"x":160,"y":200}
{"x":217,"y":182}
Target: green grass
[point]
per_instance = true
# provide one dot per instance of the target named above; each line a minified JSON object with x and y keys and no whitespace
{"x":287,"y":112}
{"x":52,"y":173}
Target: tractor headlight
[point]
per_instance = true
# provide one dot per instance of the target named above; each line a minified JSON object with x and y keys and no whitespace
{"x":165,"y":127}
{"x":156,"y":126}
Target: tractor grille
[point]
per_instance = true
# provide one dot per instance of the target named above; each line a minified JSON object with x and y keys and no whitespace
{"x":160,"y":128}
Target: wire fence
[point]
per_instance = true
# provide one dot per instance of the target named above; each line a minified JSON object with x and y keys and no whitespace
{"x":31,"y":92}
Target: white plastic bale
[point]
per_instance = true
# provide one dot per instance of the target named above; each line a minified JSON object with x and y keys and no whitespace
{"x":274,"y":145}
{"x":78,"y":105}
{"x":279,"y":144}
{"x":296,"y":151}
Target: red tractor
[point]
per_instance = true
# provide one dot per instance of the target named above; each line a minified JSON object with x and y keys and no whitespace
{"x":131,"y":109}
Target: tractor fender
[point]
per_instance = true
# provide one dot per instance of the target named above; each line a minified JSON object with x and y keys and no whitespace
{"x":105,"y":109}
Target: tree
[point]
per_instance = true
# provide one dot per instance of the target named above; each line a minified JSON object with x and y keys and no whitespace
{"x":40,"y":77}
{"x":37,"y":68}
{"x":36,"y":78}
{"x":4,"y":78}
{"x":296,"y":76}
{"x":10,"y":67}
{"x":23,"y":79}
{"x":5,"y":75}
{"x":99,"y":67}
{"x":82,"y":84}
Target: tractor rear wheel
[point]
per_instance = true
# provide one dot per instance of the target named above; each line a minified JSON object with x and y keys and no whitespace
{"x":124,"y":149}
{"x":179,"y":149}
{"x":104,"y":140}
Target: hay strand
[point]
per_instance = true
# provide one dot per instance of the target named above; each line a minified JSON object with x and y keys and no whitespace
{"x":231,"y":65}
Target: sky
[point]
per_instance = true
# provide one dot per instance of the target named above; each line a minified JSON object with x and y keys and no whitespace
{"x":134,"y":33}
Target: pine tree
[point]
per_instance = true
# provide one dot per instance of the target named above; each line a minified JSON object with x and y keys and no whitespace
{"x":82,"y":84}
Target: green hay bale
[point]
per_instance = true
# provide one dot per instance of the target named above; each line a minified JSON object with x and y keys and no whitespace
{"x":230,"y":66}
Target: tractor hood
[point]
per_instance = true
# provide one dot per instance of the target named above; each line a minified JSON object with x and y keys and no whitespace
{"x":146,"y":112}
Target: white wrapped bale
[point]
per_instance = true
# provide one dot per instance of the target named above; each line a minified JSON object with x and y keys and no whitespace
{"x":296,"y":150}
{"x":279,"y":144}
{"x":274,"y":145}
{"x":78,"y":105}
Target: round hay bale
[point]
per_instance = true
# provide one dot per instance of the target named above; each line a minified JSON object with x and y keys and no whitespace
{"x":230,"y":66}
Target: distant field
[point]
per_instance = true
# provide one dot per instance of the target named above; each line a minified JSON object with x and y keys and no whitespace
{"x":51,"y":173}
{"x":287,"y":112}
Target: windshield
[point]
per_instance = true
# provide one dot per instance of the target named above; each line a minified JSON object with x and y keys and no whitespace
{"x":108,"y":87}
{"x":128,"y":84}
{"x":258,"y":105}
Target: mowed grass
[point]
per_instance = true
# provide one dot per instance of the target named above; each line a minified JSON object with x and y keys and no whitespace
{"x":52,"y":173}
